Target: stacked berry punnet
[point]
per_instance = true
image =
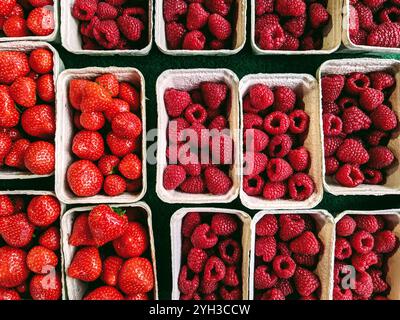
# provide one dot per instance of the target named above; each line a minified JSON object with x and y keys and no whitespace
{"x":30,"y":248}
{"x":375,"y":23}
{"x":199,"y":25}
{"x":364,"y":244}
{"x":200,"y":148}
{"x":22,"y":18}
{"x":113,"y":256}
{"x":287,"y":252}
{"x":27,"y":117}
{"x":112,"y":24}
{"x":358,"y":122}
{"x":290,"y":25}
{"x":276,"y":163}
{"x":108,"y":138}
{"x":211,"y":267}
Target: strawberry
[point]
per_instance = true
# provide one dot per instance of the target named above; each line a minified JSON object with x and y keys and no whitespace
{"x":41,"y":61}
{"x":95,"y":98}
{"x":111,"y":267}
{"x":13,"y":269}
{"x":16,"y":230}
{"x":127,"y":125}
{"x":50,"y":239}
{"x":117,"y":106}
{"x":15,"y":27}
{"x":84,"y":178}
{"x":39,"y":121}
{"x":130,"y":95}
{"x":41,"y":21}
{"x":139,"y":296}
{"x":43,"y":210}
{"x":6,"y":206}
{"x":9,"y":115}
{"x":45,"y":88}
{"x":41,"y":260}
{"x":13,"y":64}
{"x":88,"y":145}
{"x":130,"y":167}
{"x":9,"y":294}
{"x":114,"y":185}
{"x":176,"y":102}
{"x":108,"y":164}
{"x":81,"y":235}
{"x":41,"y":3}
{"x":75,"y":92}
{"x":104,"y":293}
{"x":217,"y":181}
{"x":23,"y":91}
{"x":45,"y":287}
{"x":85,"y":265}
{"x":5,"y":146}
{"x":136,"y":276}
{"x":107,"y":224}
{"x":133,"y":243}
{"x":39,"y":158}
{"x":214,"y":94}
{"x":120,"y":147}
{"x":92,"y":121}
{"x":109,"y":82}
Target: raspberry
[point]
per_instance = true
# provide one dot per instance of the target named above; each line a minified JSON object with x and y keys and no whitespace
{"x":208,"y":287}
{"x":364,"y":285}
{"x":380,"y":157}
{"x":274,"y":190}
{"x":253,"y":185}
{"x":291,"y":43}
{"x":195,"y":113}
{"x":331,"y":166}
{"x":256,"y":140}
{"x":194,"y":40}
{"x":264,"y":279}
{"x":363,"y":262}
{"x":84,"y":10}
{"x":106,"y":11}
{"x":306,"y":282}
{"x":276,"y":123}
{"x":385,"y":241}
{"x":384,"y":118}
{"x":332,"y":125}
{"x":391,"y":14}
{"x":284,"y":99}
{"x":376,"y":137}
{"x":230,"y":293}
{"x":203,"y":237}
{"x":231,"y":277}
{"x":221,"y":7}
{"x":254,"y":163}
{"x":223,"y":224}
{"x":214,"y":93}
{"x":381,"y":80}
{"x":299,"y":159}
{"x":283,"y":249}
{"x":371,"y":99}
{"x":319,"y":16}
{"x":347,"y":102}
{"x":378,"y":283}
{"x":368,"y":223}
{"x":217,"y":181}
{"x":305,"y":260}
{"x":385,"y":35}
{"x":332,"y":86}
{"x":264,"y":22}
{"x":306,"y":243}
{"x":219,"y":123}
{"x":342,"y":249}
{"x":196,"y":260}
{"x":272,"y":37}
{"x":273,"y":294}
{"x":354,"y":22}
{"x":214,"y":270}
{"x":267,"y":226}
{"x":196,"y":16}
{"x":285,"y":286}
{"x":174,"y":33}
{"x":193,"y":169}
{"x":352,"y":151}
{"x":362,"y":242}
{"x":295,"y":26}
{"x":280,"y":145}
{"x":345,"y":227}
{"x":264,"y":6}
{"x":349,"y":176}
{"x":176,"y":102}
{"x":290,"y":8}
{"x":278,"y":170}
{"x":251,"y":121}
{"x":194,"y":185}
{"x":187,"y":282}
{"x":331,"y":144}
{"x":229,"y":251}
{"x":299,"y":122}
{"x":173,"y":176}
{"x":356,"y":83}
{"x":221,"y":147}
{"x":265,"y":248}
{"x":355,"y":120}
{"x":291,"y":226}
{"x":175,"y":129}
{"x":107,"y":34}
{"x":372,"y":176}
{"x":300,"y":186}
{"x":173,"y":9}
{"x":261,"y":97}
{"x":365,"y":17}
{"x":284,"y":266}
{"x":219,"y":26}
{"x":130,"y":27}
{"x":190,"y":222}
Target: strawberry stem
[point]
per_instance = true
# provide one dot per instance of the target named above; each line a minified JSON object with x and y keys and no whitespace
{"x":119,"y":211}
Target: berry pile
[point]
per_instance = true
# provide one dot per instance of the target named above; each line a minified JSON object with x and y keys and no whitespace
{"x":290,"y":25}
{"x":113,"y":257}
{"x":199,"y":25}
{"x":22,"y":18}
{"x":27,"y":119}
{"x":200,"y":148}
{"x":111,"y":109}
{"x":112,"y":24}
{"x":275,"y":161}
{"x":287,"y":252}
{"x":364,"y":243}
{"x":30,"y":248}
{"x":211,"y":257}
{"x":375,"y":23}
{"x":358,"y":123}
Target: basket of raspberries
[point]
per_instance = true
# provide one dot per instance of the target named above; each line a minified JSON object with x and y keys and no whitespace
{"x":198,"y":118}
{"x":209,"y":27}
{"x":109,"y":253}
{"x":28,"y":20}
{"x":105,"y":27}
{"x":366,"y":256}
{"x":282,"y":165}
{"x":27,"y":115}
{"x":210,"y":251}
{"x":359,"y":102}
{"x":292,"y":256}
{"x":296,"y":26}
{"x":101,"y":153}
{"x":30,"y":259}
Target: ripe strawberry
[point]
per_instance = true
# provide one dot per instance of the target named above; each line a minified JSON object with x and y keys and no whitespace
{"x":133,"y":243}
{"x":39,"y":158}
{"x":9,"y":115}
{"x":291,"y":226}
{"x":45,"y":287}
{"x":85,"y":265}
{"x":214,"y":93}
{"x":6,"y":7}
{"x":385,"y":35}
{"x":5,"y":146}
{"x":23,"y":92}
{"x":41,"y":61}
{"x":114,"y":185}
{"x":41,"y":260}
{"x":15,"y":27}
{"x":39,"y":121}
{"x":13,"y":269}
{"x":13,"y":64}
{"x":84,"y":178}
{"x":332,"y":86}
{"x":108,"y":164}
{"x":88,"y":145}
{"x":130,"y":167}
{"x":129,"y":94}
{"x":109,"y":82}
{"x":41,"y":21}
{"x":121,"y":147}
{"x":45,"y":88}
{"x":9,"y":294}
{"x":81,"y":235}
{"x":50,"y":239}
{"x":306,"y":282}
{"x":92,"y":121}
{"x":219,"y":26}
{"x":75,"y":92}
{"x":111,"y":267}
{"x":174,"y":33}
{"x":127,"y":125}
{"x":16,"y":230}
{"x":136,"y":276}
{"x":104,"y":293}
{"x":6,"y":206}
{"x":43,"y":210}
{"x":94,"y":98}
{"x":41,"y":3}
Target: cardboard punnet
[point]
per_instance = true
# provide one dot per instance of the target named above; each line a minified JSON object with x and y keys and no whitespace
{"x":305,"y":86}
{"x":189,"y":79}
{"x":176,"y":244}
{"x":326,"y":233}
{"x":366,"y":65}
{"x":76,"y":289}
{"x":65,"y":133}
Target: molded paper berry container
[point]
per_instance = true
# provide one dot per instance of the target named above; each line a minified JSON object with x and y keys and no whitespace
{"x":187,"y":80}
{"x":366,"y":65}
{"x":176,"y":244}
{"x":304,"y":85}
{"x":27,"y":46}
{"x":76,"y":289}
{"x":392,"y":217}
{"x":50,"y":38}
{"x":238,"y":41}
{"x":332,"y":38}
{"x":65,"y":132}
{"x":326,"y":233}
{"x":71,"y":38}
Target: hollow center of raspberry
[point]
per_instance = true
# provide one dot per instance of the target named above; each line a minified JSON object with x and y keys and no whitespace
{"x":276,"y":123}
{"x":253,"y":183}
{"x":229,"y":250}
{"x":300,"y":189}
{"x":360,"y":83}
{"x":297,"y":121}
{"x":393,"y":16}
{"x":214,"y":272}
{"x":196,"y":114}
{"x":284,"y":265}
{"x":366,"y":243}
{"x":277,"y":149}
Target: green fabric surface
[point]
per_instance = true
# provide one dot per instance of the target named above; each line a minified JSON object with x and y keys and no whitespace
{"x":242,"y":64}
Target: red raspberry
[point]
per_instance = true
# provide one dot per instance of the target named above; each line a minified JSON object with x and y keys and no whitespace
{"x":214,"y":270}
{"x":384,"y":118}
{"x":290,"y":8}
{"x":253,"y":185}
{"x":342,"y":249}
{"x":360,"y":38}
{"x":364,"y":285}
{"x":345,"y":227}
{"x":349,"y":176}
{"x":261,"y":97}
{"x":264,"y":6}
{"x":229,"y":251}
{"x":274,"y":190}
{"x":381,"y":80}
{"x":267,"y":226}
{"x":247,"y":107}
{"x":203,"y":237}
{"x":221,"y":7}
{"x":295,"y":26}
{"x":176,"y":102}
{"x":291,"y":226}
{"x":280,"y":145}
{"x":372,"y":176}
{"x":363,"y":262}
{"x":380,"y":157}
{"x":312,"y":41}
{"x":187,"y":282}
{"x":278,"y":170}
{"x":173,"y":176}
{"x":300,"y":186}
{"x":272,"y":37}
{"x":214,"y":93}
{"x":305,"y":260}
{"x":385,"y":35}
{"x":332,"y":86}
{"x":342,"y":294}
{"x":385,"y":241}
{"x":256,"y":140}
{"x":347,"y":102}
{"x":371,"y":98}
{"x":265,"y":248}
{"x":251,"y":121}
{"x":105,"y":11}
{"x":273,"y":294}
{"x":208,"y":287}
{"x":331,"y":166}
{"x":299,"y":122}
{"x":219,"y":26}
{"x":368,"y":223}
{"x":376,"y":137}
{"x":223,"y":224}
{"x":379,"y":284}
{"x":299,"y":159}
{"x":219,"y":123}
{"x":196,"y":17}
{"x":195,"y":113}
{"x":284,"y":266}
{"x":130,"y":27}
{"x":194,"y":185}
{"x":291,"y":43}
{"x":84,"y":10}
{"x":231,"y":277}
{"x":362,"y":242}
{"x":230,"y":293}
{"x":284,"y":99}
{"x":217,"y":181}
{"x":306,"y":243}
{"x":254,"y":163}
{"x":352,"y":151}
{"x":331,"y":144}
{"x":107,"y":33}
{"x":356,"y":83}
{"x":190,"y":222}
{"x":194,"y":40}
{"x":193,"y":169}
{"x":365,"y":17}
{"x":174,"y":33}
{"x":354,"y":22}
{"x":175,"y":129}
{"x":216,"y":44}
{"x":173,"y":9}
{"x":196,"y":260}
{"x":318,"y":14}
{"x":276,"y":123}
{"x":264,"y":22}
{"x":285,"y":286}
{"x":332,"y":125}
{"x":306,"y":282}
{"x":264,"y":279}
{"x":354,"y":120}
{"x":391,"y":14}
{"x":283,"y":249}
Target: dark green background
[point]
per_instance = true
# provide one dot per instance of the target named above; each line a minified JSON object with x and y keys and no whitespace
{"x":242,"y":64}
